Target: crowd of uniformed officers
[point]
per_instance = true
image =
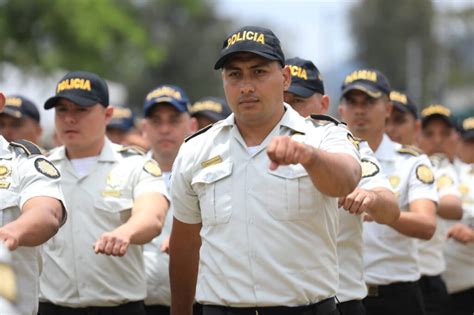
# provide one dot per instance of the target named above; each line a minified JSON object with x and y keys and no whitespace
{"x":257,"y":204}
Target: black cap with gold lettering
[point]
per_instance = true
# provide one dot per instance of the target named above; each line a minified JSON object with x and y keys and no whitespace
{"x":403,"y":102}
{"x":18,"y":106}
{"x":253,"y":39}
{"x":82,"y":88}
{"x":215,"y":108}
{"x":305,"y":77}
{"x":370,"y":81}
{"x":437,"y":111}
{"x":467,"y":128}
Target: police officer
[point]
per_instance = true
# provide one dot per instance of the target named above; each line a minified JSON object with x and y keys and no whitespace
{"x":209,"y":110}
{"x":117,"y":203}
{"x":166,"y":124}
{"x":390,"y":258}
{"x":306,"y":96}
{"x":254,"y":196}
{"x":20,"y":119}
{"x":436,"y":129}
{"x":459,"y":249}
{"x":122,"y":122}
{"x":31,"y":211}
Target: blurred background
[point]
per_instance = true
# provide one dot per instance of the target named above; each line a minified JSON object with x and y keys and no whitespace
{"x":425,"y":47}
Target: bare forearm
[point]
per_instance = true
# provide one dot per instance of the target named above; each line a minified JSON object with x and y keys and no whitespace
{"x":450,"y":207}
{"x":415,"y":225}
{"x":146,"y":222}
{"x":184,"y":264}
{"x":37,"y":224}
{"x":385,"y":207}
{"x":334,"y":174}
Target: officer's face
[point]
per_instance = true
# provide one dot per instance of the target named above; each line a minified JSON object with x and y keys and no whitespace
{"x":254,"y":88}
{"x":165,"y":129}
{"x":203,"y":121}
{"x":364,"y":115}
{"x":78,"y":127}
{"x":315,"y":104}
{"x":402,"y":127}
{"x":13,"y":128}
{"x":466,"y":150}
{"x":435,"y":136}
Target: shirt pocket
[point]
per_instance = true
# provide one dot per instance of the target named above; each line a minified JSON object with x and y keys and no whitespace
{"x":294,"y":193}
{"x":115,"y":210}
{"x":213,"y":186}
{"x":9,"y":206}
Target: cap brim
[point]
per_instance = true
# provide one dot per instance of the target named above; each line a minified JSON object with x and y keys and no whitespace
{"x":76,"y":99}
{"x":425,"y":120}
{"x":300,"y":91}
{"x":223,"y":59}
{"x":12,"y":112}
{"x":165,"y":100}
{"x":209,"y":114}
{"x":367,"y":89}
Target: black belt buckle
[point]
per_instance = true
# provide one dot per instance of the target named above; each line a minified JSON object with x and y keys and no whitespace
{"x":372,"y":290}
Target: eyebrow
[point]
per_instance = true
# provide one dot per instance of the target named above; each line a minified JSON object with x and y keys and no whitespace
{"x":260,"y":63}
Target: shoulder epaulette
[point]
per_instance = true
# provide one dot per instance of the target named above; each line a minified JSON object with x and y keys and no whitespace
{"x":197,"y":133}
{"x":327,"y":118}
{"x":29,"y":147}
{"x":409,"y":149}
{"x":131,"y":150}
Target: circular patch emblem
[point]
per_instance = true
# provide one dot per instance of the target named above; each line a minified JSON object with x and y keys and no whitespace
{"x":464,"y":189}
{"x":424,"y":174}
{"x":4,"y":171}
{"x":369,"y":168}
{"x":394,"y":181}
{"x":46,"y":168}
{"x":152,"y":168}
{"x":444,"y":181}
{"x":353,"y":140}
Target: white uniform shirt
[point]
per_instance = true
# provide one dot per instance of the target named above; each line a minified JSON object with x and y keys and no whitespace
{"x":98,"y":202}
{"x":349,"y":239}
{"x":430,"y":252}
{"x":23,"y":177}
{"x":268,"y":237}
{"x":459,"y":273}
{"x":389,"y":255}
{"x":157,"y":263}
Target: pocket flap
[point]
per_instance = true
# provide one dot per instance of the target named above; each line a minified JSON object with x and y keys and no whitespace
{"x":290,"y":171}
{"x":213,"y":173}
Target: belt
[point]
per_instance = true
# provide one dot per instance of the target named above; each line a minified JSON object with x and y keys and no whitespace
{"x":378,"y":290}
{"x":321,"y":308}
{"x":50,"y":308}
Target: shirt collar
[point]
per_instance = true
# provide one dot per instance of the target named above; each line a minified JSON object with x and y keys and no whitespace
{"x":107,"y":154}
{"x":291,"y":119}
{"x":386,"y":149}
{"x":4,"y":148}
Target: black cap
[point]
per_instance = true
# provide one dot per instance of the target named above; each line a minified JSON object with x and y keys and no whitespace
{"x":305,"y":77}
{"x":18,"y":106}
{"x":370,"y":81}
{"x":214,"y":108}
{"x":467,"y":128}
{"x":437,"y":111}
{"x":166,"y":94}
{"x":122,"y":118}
{"x":404,"y":103}
{"x":82,"y":88}
{"x":253,"y":39}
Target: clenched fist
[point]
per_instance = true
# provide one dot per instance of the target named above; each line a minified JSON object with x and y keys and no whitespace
{"x":283,"y":150}
{"x":113,"y":243}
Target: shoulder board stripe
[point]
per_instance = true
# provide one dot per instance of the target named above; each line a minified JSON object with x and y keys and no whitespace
{"x":327,"y":118}
{"x":132,"y":149}
{"x":29,"y":147}
{"x":408,"y":151}
{"x":197,"y":133}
